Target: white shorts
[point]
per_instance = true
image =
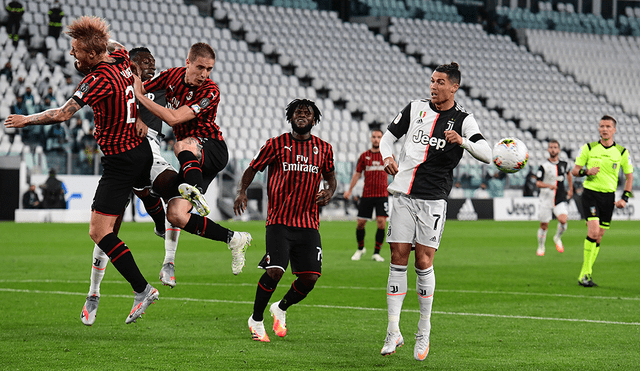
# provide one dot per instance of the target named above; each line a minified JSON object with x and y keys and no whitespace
{"x":415,"y":220}
{"x":546,"y":209}
{"x":159,"y":163}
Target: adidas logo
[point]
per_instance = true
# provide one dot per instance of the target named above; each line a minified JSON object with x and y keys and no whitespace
{"x":467,"y":212}
{"x":433,"y":239}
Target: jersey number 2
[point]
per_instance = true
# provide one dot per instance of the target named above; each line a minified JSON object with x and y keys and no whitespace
{"x":130,"y":104}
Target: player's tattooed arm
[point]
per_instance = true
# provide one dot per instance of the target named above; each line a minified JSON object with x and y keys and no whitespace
{"x":50,"y":116}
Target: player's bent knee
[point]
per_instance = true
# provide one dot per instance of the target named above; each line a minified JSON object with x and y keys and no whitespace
{"x":309,"y":280}
{"x":275,"y":273}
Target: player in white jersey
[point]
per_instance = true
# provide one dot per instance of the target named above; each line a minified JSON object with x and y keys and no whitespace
{"x":553,"y":196}
{"x":437,"y":131}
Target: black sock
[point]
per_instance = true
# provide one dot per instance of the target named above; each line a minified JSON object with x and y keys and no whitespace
{"x":122,"y":259}
{"x":296,"y":293}
{"x":379,"y":240}
{"x":360,"y":238}
{"x":266,"y":286}
{"x":155,"y":209}
{"x":190,"y":168}
{"x":207,"y":228}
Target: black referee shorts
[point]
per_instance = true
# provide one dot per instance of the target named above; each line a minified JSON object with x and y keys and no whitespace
{"x":122,"y":172}
{"x":300,"y":246}
{"x":367,"y":204}
{"x":598,"y":205}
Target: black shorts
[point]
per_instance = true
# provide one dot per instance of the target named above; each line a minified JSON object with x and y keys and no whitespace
{"x":366,"y":205}
{"x":215,"y":157}
{"x":598,"y":205}
{"x":122,"y":172}
{"x":300,"y":246}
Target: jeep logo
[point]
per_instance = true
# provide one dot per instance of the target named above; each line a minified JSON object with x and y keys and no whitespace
{"x":422,"y":138}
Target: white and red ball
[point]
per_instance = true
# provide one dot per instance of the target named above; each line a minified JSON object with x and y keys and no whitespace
{"x":510,"y":155}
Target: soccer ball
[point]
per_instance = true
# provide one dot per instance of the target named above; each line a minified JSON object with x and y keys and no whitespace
{"x":510,"y":155}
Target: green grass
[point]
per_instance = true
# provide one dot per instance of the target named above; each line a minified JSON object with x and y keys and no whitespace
{"x":497,"y":305}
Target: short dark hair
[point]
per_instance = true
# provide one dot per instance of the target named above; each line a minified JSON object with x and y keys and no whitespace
{"x":554,"y":141}
{"x":201,"y":50}
{"x":135,"y":51}
{"x":452,"y":70}
{"x":609,"y":118}
{"x":376,"y":129}
{"x":296,"y":103}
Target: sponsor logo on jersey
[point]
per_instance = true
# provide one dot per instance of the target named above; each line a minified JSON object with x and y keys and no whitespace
{"x":301,"y":165}
{"x":423,"y":138}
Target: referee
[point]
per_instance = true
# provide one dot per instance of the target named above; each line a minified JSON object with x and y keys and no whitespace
{"x":601,"y":162}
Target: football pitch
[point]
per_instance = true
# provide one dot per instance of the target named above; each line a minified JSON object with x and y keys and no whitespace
{"x":497,"y":306}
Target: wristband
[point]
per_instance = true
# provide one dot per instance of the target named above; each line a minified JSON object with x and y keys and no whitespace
{"x":582,"y":172}
{"x":626,"y":195}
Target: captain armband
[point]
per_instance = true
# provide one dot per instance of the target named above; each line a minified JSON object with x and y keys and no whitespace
{"x":627,"y":195}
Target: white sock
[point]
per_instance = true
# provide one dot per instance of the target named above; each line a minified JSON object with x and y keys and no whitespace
{"x":396,"y":292}
{"x":425,"y":286}
{"x":561,"y":229}
{"x":98,"y":266}
{"x":542,"y":237}
{"x":171,"y":236}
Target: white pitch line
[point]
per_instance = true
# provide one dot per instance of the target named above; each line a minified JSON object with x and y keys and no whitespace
{"x":340,"y":307}
{"x":383,"y":288}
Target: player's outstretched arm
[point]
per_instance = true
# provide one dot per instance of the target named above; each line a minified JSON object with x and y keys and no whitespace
{"x":172,"y":117}
{"x":50,"y":116}
{"x":240,"y":204}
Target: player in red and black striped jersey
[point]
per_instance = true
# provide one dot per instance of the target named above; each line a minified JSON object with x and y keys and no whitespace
{"x":193,"y":102}
{"x":297,"y":163}
{"x":374,"y":195}
{"x":108,"y":89}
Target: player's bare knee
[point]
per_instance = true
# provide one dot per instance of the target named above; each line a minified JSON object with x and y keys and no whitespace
{"x":275,"y":273}
{"x":308,"y":279}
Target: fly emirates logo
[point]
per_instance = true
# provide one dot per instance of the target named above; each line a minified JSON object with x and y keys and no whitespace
{"x":301,"y":164}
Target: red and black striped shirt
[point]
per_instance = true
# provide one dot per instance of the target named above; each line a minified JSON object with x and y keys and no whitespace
{"x":108,"y":89}
{"x":295,"y":172}
{"x":203,"y":101}
{"x":375,"y":178}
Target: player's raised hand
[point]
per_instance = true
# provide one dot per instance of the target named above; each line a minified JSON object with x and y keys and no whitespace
{"x":452,"y":136}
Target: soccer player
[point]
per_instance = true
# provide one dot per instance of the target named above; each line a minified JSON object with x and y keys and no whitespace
{"x":601,"y":162}
{"x":163,"y":179}
{"x":553,"y":196}
{"x":297,"y":162}
{"x":374,"y":195}
{"x":193,"y":102}
{"x":127,"y":158}
{"x":436,"y":131}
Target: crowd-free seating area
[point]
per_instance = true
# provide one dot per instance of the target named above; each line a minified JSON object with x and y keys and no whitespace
{"x":556,"y":85}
